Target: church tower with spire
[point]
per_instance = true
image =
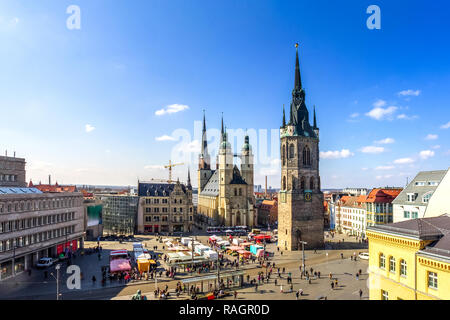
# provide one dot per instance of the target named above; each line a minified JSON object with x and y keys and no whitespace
{"x":204,"y":160}
{"x":300,"y":208}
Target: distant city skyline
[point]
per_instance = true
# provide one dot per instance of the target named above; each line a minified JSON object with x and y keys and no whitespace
{"x":108,"y":104}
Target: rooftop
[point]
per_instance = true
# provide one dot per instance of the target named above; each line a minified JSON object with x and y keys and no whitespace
{"x":435,"y":228}
{"x":424,"y":182}
{"x":12,"y":190}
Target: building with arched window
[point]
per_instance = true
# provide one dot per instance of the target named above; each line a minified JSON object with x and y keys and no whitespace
{"x":225,"y":195}
{"x":300,"y":200}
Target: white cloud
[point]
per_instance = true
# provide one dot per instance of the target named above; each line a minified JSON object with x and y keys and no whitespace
{"x":425,"y":154}
{"x":385,"y":141}
{"x":436,"y":147}
{"x":153,"y":167}
{"x":406,"y":117}
{"x":409,"y":92}
{"x":379,"y":113}
{"x":387,"y":176}
{"x":344,"y":153}
{"x":431,"y":137}
{"x":403,"y":161}
{"x":372,"y":149}
{"x":173,"y":108}
{"x":89,"y":128}
{"x":446,"y":126}
{"x":379,"y":103}
{"x":273,"y":169}
{"x":354,"y":115}
{"x":165,"y":138}
{"x":384,"y":168}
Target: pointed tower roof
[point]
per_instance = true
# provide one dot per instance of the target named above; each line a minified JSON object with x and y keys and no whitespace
{"x":298,"y":79}
{"x":315,"y":122}
{"x":299,"y":115}
{"x":204,"y":149}
{"x":284,"y":117}
{"x":189,"y":177}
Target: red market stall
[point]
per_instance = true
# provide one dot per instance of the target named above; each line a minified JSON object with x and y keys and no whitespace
{"x":119,"y":262}
{"x":260,"y":238}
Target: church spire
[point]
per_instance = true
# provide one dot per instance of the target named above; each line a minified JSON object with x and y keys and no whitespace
{"x":204,"y":122}
{"x":204,"y":149}
{"x":284,"y":117}
{"x":189,"y":178}
{"x":315,"y":122}
{"x":298,"y":80}
{"x":204,"y":161}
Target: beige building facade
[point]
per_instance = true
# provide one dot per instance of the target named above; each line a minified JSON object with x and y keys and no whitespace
{"x":226,"y":194}
{"x":165,"y":208}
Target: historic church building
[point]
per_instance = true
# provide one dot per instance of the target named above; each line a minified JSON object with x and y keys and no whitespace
{"x":300,"y":207}
{"x":225,"y":195}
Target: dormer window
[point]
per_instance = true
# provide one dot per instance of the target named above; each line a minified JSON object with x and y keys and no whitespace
{"x":433,"y":183}
{"x":420,"y":183}
{"x":411,"y":197}
{"x":426,"y":197}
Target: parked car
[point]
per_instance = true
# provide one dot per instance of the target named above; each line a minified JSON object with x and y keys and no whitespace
{"x":363,"y":256}
{"x":45,"y":262}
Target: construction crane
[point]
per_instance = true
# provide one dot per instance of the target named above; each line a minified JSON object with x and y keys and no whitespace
{"x":169,"y":166}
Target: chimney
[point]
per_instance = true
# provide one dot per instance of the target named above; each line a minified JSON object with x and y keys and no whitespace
{"x":265,"y":193}
{"x":14,"y":154}
{"x":49,"y":180}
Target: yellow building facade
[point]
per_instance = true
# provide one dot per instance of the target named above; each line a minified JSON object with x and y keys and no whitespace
{"x":410,"y":261}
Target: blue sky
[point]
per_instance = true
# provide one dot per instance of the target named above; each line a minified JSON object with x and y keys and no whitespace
{"x":82,"y":104}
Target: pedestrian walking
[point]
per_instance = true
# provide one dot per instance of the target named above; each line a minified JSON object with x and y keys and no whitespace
{"x":360,"y":294}
{"x":235,"y":294}
{"x":93,"y":280}
{"x":332,"y":285}
{"x":296,"y":295}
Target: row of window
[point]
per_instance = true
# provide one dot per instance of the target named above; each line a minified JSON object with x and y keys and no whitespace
{"x":8,"y":177}
{"x":28,"y":240}
{"x":21,"y":224}
{"x":31,"y":205}
{"x":380,"y":218}
{"x":408,"y":214}
{"x":163,"y":201}
{"x":431,"y":276}
{"x":392,"y":265}
{"x":165,"y":218}
{"x":306,"y":154}
{"x":303,"y":183}
{"x":156,"y":210}
{"x":432,"y":281}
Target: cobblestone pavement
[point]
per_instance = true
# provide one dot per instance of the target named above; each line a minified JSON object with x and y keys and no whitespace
{"x":36,"y":287}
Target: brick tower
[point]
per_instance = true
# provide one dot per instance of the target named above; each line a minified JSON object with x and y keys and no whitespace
{"x":300,"y":209}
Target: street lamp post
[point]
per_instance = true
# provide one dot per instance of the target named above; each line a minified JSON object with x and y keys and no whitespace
{"x":14,"y":261}
{"x":303,"y":255}
{"x":58,"y":266}
{"x":218,"y":271}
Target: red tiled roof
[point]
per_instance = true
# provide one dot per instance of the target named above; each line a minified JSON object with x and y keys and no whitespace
{"x":54,"y":188}
{"x":379,"y":195}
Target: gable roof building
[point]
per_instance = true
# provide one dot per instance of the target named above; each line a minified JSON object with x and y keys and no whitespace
{"x":412,"y":202}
